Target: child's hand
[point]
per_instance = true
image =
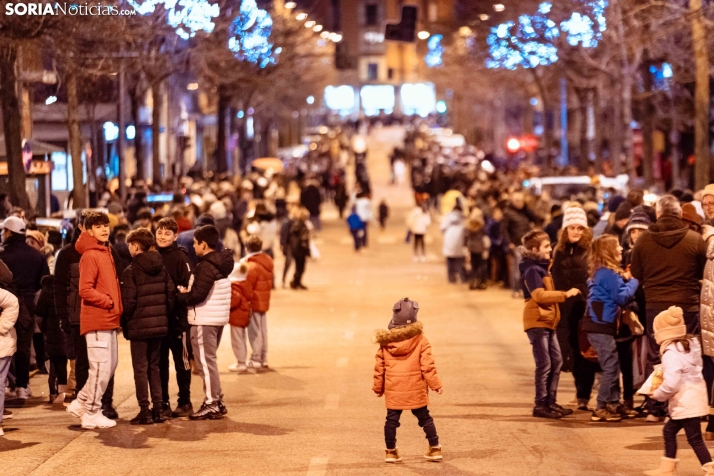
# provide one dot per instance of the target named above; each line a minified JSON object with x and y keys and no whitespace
{"x":378,"y":394}
{"x":439,"y":391}
{"x":572,"y":292}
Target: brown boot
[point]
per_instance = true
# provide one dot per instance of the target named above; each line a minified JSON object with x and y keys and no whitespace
{"x":392,"y":456}
{"x":434,"y":454}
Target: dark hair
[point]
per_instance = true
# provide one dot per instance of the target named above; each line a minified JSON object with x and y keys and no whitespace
{"x":254,"y":244}
{"x":144,"y":214}
{"x":686,"y":345}
{"x":207,"y":234}
{"x":635,"y":197}
{"x":82,"y":217}
{"x":142,"y":237}
{"x":167,"y":223}
{"x":533,"y":239}
{"x":120,"y":236}
{"x":95,"y":218}
{"x":205,"y":219}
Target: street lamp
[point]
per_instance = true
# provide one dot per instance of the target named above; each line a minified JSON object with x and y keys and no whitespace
{"x":192,"y":86}
{"x":498,"y":7}
{"x":309,"y":24}
{"x":301,"y":16}
{"x":335,"y":37}
{"x":423,"y":35}
{"x":317,"y":28}
{"x":483,"y":17}
{"x":290,"y":5}
{"x":465,"y":31}
{"x":325,"y":34}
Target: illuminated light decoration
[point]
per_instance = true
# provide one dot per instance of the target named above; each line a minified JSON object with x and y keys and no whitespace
{"x":301,"y":16}
{"x":310,"y":99}
{"x":487,"y":166}
{"x":465,"y":31}
{"x":377,"y":97}
{"x":534,"y":101}
{"x":317,"y":28}
{"x":130,"y":132}
{"x":336,"y":37}
{"x":111,"y":131}
{"x":441,"y":107}
{"x":192,"y":86}
{"x":240,"y":114}
{"x":423,"y":35}
{"x":325,"y":34}
{"x":250,"y":32}
{"x":513,"y":145}
{"x":419,"y":98}
{"x":661,"y":75}
{"x":483,"y":17}
{"x":186,"y":16}
{"x":498,"y":7}
{"x":51,"y":100}
{"x":435,"y":56}
{"x":530,"y":42}
{"x":310,"y":24}
{"x":373,"y":37}
{"x":290,"y":5}
{"x":340,"y":98}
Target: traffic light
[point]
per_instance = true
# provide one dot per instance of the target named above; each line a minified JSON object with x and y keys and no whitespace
{"x":405,"y":30}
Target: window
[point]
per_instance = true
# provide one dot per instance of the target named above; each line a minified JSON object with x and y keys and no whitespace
{"x":372,"y":71}
{"x":372,"y":15}
{"x":390,"y":73}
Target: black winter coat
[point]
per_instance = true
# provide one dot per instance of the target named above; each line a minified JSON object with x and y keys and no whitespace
{"x":147,"y":294}
{"x":516,"y":223}
{"x":213,"y":266}
{"x":28,"y":267}
{"x":299,"y":238}
{"x":177,"y":264}
{"x":54,"y":337}
{"x":570,"y":270}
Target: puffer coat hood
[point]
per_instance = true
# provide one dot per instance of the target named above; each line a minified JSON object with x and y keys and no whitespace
{"x":707,"y":303}
{"x":404,"y":370}
{"x":259,"y":281}
{"x":148,"y":295}
{"x":683,"y":386}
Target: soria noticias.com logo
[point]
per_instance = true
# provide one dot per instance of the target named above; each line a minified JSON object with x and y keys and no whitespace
{"x":63,"y":8}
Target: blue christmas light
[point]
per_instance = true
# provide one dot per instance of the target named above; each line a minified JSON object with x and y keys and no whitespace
{"x":435,"y":55}
{"x":185,"y":16}
{"x":250,"y":32}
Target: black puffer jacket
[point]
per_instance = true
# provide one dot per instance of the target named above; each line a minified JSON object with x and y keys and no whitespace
{"x":570,"y":270}
{"x":147,"y":294}
{"x":517,"y":222}
{"x":299,"y":238}
{"x":177,"y":264}
{"x":28,"y":267}
{"x":54,"y":337}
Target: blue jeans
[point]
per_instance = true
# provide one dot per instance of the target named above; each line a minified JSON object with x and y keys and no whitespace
{"x":4,"y":369}
{"x":548,"y":361}
{"x":456,"y":268}
{"x":357,"y":236}
{"x":606,"y":348}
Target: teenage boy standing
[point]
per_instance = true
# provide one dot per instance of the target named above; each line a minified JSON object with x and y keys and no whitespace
{"x":147,"y":295}
{"x":99,"y":318}
{"x":176,"y":262}
{"x":208,"y":299}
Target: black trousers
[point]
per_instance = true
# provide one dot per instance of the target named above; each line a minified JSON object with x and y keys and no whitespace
{"x":177,"y":345}
{"x":81,"y":367}
{"x":25,"y":329}
{"x":299,"y":268}
{"x":58,"y":373}
{"x":624,"y":355}
{"x":288,"y":264}
{"x":419,"y":245}
{"x":425,"y":421}
{"x":147,"y":376}
{"x":693,"y":430}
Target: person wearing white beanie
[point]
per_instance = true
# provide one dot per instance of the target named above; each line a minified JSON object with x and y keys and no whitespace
{"x":684,"y":387}
{"x":575,"y":216}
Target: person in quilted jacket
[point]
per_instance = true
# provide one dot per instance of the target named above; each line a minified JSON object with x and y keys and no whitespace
{"x":404,"y":372}
{"x":8,"y":337}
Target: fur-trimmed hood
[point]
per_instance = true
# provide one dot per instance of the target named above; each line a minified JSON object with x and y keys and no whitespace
{"x":383,"y":337}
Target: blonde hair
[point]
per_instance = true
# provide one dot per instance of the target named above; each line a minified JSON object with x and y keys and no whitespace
{"x":603,"y":254}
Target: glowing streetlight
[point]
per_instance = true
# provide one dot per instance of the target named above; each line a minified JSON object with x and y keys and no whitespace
{"x":310,"y":100}
{"x":301,"y":16}
{"x":325,"y":34}
{"x":465,"y":31}
{"x":423,"y":35}
{"x":51,"y":100}
{"x":309,"y":24}
{"x":290,"y":5}
{"x":483,"y":17}
{"x":192,"y":86}
{"x":513,"y":145}
{"x":317,"y":28}
{"x":335,"y":37}
{"x":498,"y":7}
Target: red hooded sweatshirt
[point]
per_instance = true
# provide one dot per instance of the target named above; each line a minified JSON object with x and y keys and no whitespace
{"x":98,"y":286}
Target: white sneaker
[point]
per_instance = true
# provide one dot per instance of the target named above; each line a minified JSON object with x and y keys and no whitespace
{"x":654,"y":419}
{"x":2,"y":433}
{"x":240,"y":368}
{"x":76,"y":409}
{"x":423,"y":259}
{"x":96,"y":420}
{"x":415,"y":259}
{"x":23,"y":393}
{"x":9,"y":393}
{"x":254,"y":366}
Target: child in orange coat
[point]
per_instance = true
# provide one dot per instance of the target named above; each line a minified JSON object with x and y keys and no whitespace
{"x":239,"y":317}
{"x":404,"y":372}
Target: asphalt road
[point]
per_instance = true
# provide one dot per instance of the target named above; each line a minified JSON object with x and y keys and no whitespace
{"x":314,"y":414}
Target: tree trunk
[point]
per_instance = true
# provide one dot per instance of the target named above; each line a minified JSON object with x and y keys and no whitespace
{"x":156,"y":132}
{"x":547,"y":130}
{"x":648,"y":128}
{"x":597,"y":146}
{"x":701,"y":96}
{"x":221,"y":159}
{"x":584,"y":100}
{"x":79,"y":195}
{"x":136,"y":101}
{"x":11,"y":126}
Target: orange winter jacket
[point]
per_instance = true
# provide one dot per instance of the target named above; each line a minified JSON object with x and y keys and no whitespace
{"x":98,"y":286}
{"x":404,"y":370}
{"x":240,"y":305}
{"x":259,"y":281}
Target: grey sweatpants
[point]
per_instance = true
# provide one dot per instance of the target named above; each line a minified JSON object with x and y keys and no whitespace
{"x":205,"y":341}
{"x":258,"y":336}
{"x":103,"y":357}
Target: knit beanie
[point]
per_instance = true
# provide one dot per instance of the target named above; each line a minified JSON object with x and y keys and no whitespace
{"x":614,"y":203}
{"x":689,"y":214}
{"x":575,"y":216}
{"x":404,"y":312}
{"x":38,"y":236}
{"x":639,"y":220}
{"x":623,"y":211}
{"x":669,"y":325}
{"x":708,"y":190}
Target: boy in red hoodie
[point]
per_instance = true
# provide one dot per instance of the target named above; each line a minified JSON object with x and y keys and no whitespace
{"x":99,"y":318}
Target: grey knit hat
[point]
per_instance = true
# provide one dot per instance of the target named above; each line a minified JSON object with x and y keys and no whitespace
{"x":638,"y":220}
{"x":404,"y":312}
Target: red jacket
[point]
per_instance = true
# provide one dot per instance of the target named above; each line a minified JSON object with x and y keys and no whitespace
{"x":240,"y":306}
{"x":98,"y":286}
{"x":259,"y":281}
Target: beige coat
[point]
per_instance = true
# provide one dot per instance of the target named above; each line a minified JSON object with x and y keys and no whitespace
{"x":404,"y":370}
{"x":706,"y":303}
{"x":10,"y":311}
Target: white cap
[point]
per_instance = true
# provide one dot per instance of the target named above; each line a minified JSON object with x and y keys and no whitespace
{"x":14,"y":224}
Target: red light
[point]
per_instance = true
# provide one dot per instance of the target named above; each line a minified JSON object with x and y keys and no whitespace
{"x":513,"y":145}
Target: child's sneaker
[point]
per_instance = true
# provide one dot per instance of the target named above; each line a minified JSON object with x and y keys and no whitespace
{"x":6,"y":414}
{"x":207,"y":412}
{"x":561,"y":410}
{"x":392,"y":456}
{"x":2,"y":433}
{"x":96,"y":420}
{"x":651,"y":418}
{"x":434,"y":453}
{"x":240,"y":368}
{"x":182,"y":411}
{"x":76,"y":409}
{"x":604,"y":415}
{"x":546,"y":412}
{"x":143,"y":418}
{"x":622,"y":410}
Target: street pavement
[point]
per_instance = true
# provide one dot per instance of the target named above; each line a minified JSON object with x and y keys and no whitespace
{"x":314,"y":413}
